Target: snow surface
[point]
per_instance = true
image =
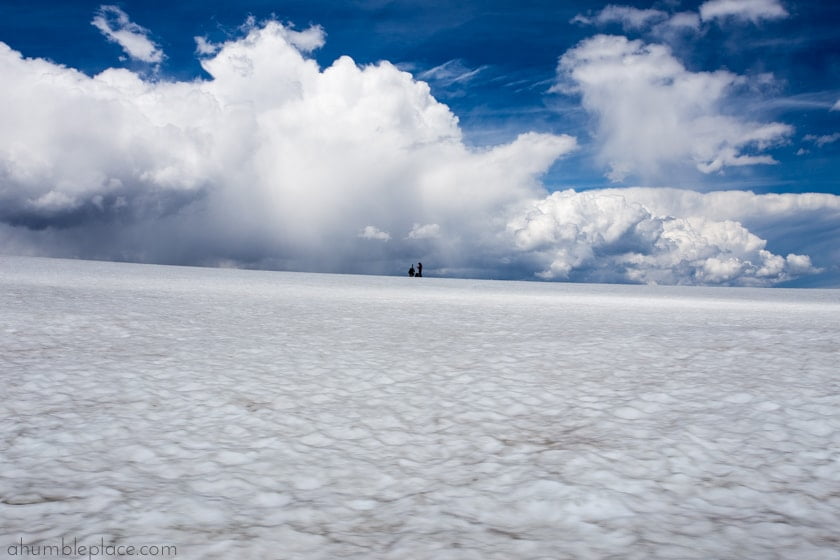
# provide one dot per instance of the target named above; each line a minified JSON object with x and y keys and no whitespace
{"x":298,"y":416}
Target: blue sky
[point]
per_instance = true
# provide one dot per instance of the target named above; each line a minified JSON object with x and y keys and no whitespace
{"x":660,"y":104}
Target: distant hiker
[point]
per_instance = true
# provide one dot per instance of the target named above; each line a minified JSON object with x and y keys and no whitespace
{"x":411,"y":270}
{"x":419,"y":269}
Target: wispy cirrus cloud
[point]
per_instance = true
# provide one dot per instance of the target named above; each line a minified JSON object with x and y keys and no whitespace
{"x":134,"y":39}
{"x":631,"y":18}
{"x":452,"y":78}
{"x":662,"y":22}
{"x":634,"y":19}
{"x":451,"y":72}
{"x":823,"y":139}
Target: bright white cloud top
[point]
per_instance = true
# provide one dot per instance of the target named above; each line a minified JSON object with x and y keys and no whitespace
{"x":240,"y":413}
{"x":275,"y":162}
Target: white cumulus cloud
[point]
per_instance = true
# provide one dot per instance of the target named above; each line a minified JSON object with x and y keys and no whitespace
{"x":652,"y":114}
{"x":621,"y":235}
{"x":134,"y":39}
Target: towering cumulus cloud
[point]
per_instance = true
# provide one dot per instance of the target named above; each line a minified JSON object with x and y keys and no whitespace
{"x":653,"y":114}
{"x":276,"y":162}
{"x":271,"y":162}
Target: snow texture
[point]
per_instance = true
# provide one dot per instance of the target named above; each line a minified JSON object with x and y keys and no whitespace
{"x":301,"y":416}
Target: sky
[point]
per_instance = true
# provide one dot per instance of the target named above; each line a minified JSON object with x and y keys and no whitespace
{"x":666,"y":142}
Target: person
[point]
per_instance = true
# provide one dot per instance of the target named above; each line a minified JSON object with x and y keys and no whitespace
{"x":411,"y":270}
{"x":419,"y":269}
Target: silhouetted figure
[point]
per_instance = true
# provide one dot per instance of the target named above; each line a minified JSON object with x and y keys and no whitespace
{"x":411,"y":270}
{"x":419,"y":269}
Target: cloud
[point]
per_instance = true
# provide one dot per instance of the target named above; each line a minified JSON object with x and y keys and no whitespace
{"x":822,"y":140}
{"x":662,"y":236}
{"x":749,"y":10}
{"x":731,"y":205}
{"x":425,"y":231}
{"x":663,"y":23}
{"x":451,"y":72}
{"x":629,"y":17}
{"x":271,"y":162}
{"x":371,"y":232}
{"x":275,"y":162}
{"x":134,"y":39}
{"x":683,"y":20}
{"x":836,"y":106}
{"x":653,"y":116}
{"x":659,"y":22}
{"x":452,"y":78}
{"x":204,"y":47}
{"x":785,"y":221}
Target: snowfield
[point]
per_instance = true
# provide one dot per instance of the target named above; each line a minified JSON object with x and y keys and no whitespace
{"x":299,"y":416}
